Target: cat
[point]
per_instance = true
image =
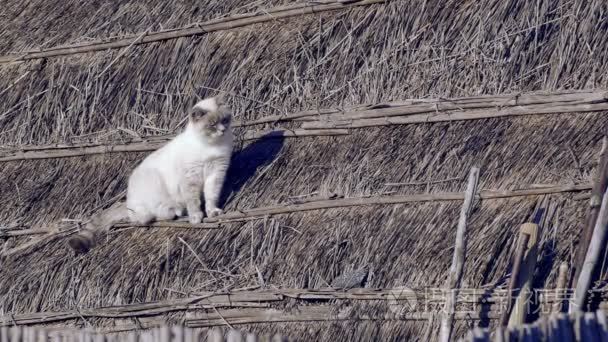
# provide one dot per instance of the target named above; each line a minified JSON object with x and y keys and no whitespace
{"x":170,"y":181}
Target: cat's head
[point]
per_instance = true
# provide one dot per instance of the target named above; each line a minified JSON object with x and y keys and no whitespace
{"x":211,"y":117}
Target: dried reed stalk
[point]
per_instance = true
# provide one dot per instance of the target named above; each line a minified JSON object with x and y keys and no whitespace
{"x":228,"y":23}
{"x":455,"y":276}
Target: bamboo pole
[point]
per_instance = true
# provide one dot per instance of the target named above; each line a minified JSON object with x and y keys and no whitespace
{"x":468,"y":104}
{"x":76,"y":150}
{"x":251,"y":338}
{"x":245,"y":215}
{"x":600,"y":183}
{"x":562,"y":281}
{"x":397,"y":113}
{"x":591,"y":258}
{"x":234,"y":336}
{"x":602,"y":325}
{"x":215,"y":335}
{"x":396,"y":199}
{"x":251,"y":301}
{"x":525,"y":275}
{"x":455,"y":275}
{"x":522,"y":243}
{"x":461,"y":115}
{"x":228,"y":23}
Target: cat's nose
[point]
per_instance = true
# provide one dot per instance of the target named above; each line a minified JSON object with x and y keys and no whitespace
{"x":221,"y":128}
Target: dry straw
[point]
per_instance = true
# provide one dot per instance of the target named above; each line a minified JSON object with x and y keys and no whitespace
{"x":382,"y":53}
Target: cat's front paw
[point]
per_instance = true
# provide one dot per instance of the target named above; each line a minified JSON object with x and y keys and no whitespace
{"x":214,"y":212}
{"x":196,"y":217}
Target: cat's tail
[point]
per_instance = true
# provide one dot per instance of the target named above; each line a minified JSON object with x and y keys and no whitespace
{"x":99,"y":223}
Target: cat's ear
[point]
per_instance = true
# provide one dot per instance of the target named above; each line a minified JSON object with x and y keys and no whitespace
{"x":197,"y":113}
{"x":220,"y":99}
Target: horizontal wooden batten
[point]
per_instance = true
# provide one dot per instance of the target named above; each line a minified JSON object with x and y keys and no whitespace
{"x":324,"y":203}
{"x":151,"y":144}
{"x":459,"y":110}
{"x":337,"y":122}
{"x":253,"y":306}
{"x":221,"y":24}
{"x":395,"y":199}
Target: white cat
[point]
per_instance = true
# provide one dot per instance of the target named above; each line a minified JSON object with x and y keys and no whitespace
{"x":170,"y":180}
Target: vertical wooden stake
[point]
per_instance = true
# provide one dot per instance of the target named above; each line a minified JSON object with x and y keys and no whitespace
{"x":455,"y":276}
{"x":278,"y":338}
{"x":234,"y":336}
{"x":132,"y":336}
{"x":560,"y":287}
{"x":520,"y":250}
{"x":215,"y":335}
{"x":600,"y":183}
{"x":251,"y":338}
{"x":178,"y":334}
{"x":525,"y":275}
{"x":147,"y":336}
{"x":16,"y":333}
{"x":591,"y":259}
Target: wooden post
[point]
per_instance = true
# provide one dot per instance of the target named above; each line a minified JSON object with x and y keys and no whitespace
{"x":602,"y":325}
{"x":102,"y":338}
{"x":132,"y":336}
{"x":164,"y":334}
{"x":279,"y":338}
{"x":600,"y":183}
{"x":16,"y":333}
{"x":520,"y":250}
{"x":455,"y":276}
{"x":591,"y":259}
{"x":189,"y":335}
{"x":147,"y":336}
{"x":499,"y":335}
{"x":178,"y":334}
{"x":560,"y":287}
{"x":251,"y":338}
{"x":82,"y":336}
{"x":234,"y":336}
{"x":4,"y":336}
{"x":526,"y":274}
{"x":215,"y":335}
{"x":566,"y":328}
{"x":31,"y":333}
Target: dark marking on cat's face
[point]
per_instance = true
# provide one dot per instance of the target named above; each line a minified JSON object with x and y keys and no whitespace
{"x":212,"y":123}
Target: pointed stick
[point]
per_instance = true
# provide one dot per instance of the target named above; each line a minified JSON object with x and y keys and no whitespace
{"x":600,"y":183}
{"x":455,"y":276}
{"x":583,"y":282}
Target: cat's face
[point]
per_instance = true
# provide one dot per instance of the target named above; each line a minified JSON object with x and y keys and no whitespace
{"x":211,"y":118}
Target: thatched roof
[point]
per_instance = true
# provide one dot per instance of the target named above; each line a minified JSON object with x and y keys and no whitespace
{"x":335,"y":59}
